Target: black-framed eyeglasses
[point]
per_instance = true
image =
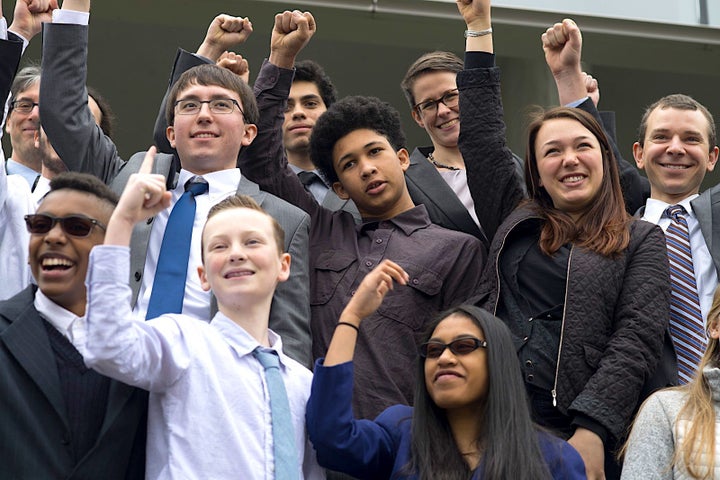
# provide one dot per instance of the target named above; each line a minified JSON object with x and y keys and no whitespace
{"x":75,"y":225}
{"x":450,"y":99}
{"x":222,"y":106}
{"x":23,"y":106}
{"x":461,"y":346}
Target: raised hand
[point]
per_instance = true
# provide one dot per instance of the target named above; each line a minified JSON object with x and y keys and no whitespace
{"x":373,"y":288}
{"x":29,"y":16}
{"x":236,"y":64}
{"x":562,"y":44}
{"x":224,"y":33}
{"x":592,"y":87}
{"x":476,"y":13}
{"x":292,"y":31}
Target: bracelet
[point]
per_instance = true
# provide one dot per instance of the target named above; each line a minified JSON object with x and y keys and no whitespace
{"x":478,"y":33}
{"x":350,"y":325}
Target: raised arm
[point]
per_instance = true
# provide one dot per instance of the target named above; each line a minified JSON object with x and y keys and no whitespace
{"x":491,"y":172}
{"x":66,"y":117}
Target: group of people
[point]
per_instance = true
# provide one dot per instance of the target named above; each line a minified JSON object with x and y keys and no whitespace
{"x":280,"y":289}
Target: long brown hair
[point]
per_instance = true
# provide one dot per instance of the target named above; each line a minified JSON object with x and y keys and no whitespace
{"x":699,"y":440}
{"x":603,"y":227}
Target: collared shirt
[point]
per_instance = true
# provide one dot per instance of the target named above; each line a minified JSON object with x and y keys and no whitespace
{"x":15,"y":168}
{"x":209,"y":412}
{"x":705,"y":273}
{"x":196,"y":303}
{"x":318,"y":188}
{"x":42,"y":187}
{"x":457,"y":181}
{"x":67,"y":323}
{"x":15,"y":203}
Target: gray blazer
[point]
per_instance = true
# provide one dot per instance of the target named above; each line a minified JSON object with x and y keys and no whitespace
{"x":83,"y":147}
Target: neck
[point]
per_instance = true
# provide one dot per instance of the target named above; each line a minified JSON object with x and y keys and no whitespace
{"x":252,"y":318}
{"x":33,"y":161}
{"x":301,"y":160}
{"x":466,"y":431}
{"x":403,"y":204}
{"x":671,"y":199}
{"x":449,"y":156}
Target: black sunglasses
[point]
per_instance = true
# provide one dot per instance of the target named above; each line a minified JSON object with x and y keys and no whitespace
{"x":75,"y":225}
{"x":461,"y":346}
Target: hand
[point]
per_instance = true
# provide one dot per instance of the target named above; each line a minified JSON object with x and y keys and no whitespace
{"x":236,"y":64}
{"x":144,"y":195}
{"x":224,"y":33}
{"x":592,"y":87}
{"x":29,"y":16}
{"x":292,"y":31}
{"x":476,"y":13}
{"x":372,"y":290}
{"x":562,"y":44}
{"x":591,"y":449}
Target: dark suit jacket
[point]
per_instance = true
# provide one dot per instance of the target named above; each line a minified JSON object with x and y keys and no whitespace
{"x":34,"y":431}
{"x":84,"y":148}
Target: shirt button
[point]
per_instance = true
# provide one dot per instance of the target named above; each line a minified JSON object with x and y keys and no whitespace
{"x":150,"y":220}
{"x":378,"y":240}
{"x":368,"y":263}
{"x":352,"y":293}
{"x":530,"y":319}
{"x":525,"y":339}
{"x":530,"y":377}
{"x":138,"y":276}
{"x":529,"y":363}
{"x":415,"y":281}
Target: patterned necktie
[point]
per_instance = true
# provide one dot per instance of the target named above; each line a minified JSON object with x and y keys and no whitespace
{"x":284,"y":449}
{"x":169,"y":285}
{"x":686,"y":322}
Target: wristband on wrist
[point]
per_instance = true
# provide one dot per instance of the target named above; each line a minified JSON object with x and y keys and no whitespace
{"x":478,"y":33}
{"x":350,"y":325}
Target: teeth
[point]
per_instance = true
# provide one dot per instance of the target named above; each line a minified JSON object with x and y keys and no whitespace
{"x":576,"y":178}
{"x":676,"y":167}
{"x":56,"y":262}
{"x":205,"y":135}
{"x":449,"y":124}
{"x":238,"y":274}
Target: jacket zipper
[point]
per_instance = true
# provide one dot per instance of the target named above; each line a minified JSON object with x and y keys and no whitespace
{"x":553,"y":392}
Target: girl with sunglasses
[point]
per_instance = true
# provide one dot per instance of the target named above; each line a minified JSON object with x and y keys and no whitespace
{"x":675,"y":434}
{"x":583,"y":287}
{"x":470,"y":418}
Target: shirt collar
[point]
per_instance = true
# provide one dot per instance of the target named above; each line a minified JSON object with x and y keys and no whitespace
{"x":317,"y":172}
{"x":219,"y":182}
{"x":654,"y":209}
{"x":241,"y":341}
{"x":408,"y":221}
{"x":56,"y":315}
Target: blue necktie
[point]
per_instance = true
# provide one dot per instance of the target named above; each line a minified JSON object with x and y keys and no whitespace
{"x":284,"y":449}
{"x":169,"y":285}
{"x":686,"y":322}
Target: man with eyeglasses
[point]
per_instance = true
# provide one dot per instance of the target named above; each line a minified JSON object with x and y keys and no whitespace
{"x":436,"y":176}
{"x":61,"y":419}
{"x":210,"y":117}
{"x":22,"y":123}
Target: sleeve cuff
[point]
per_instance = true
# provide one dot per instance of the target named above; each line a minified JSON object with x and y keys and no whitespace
{"x":70,"y":16}
{"x":577,"y":103}
{"x":108,"y":263}
{"x":588,"y":423}
{"x":479,"y":60}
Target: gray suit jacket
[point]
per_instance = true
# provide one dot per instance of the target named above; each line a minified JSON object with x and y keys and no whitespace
{"x":34,"y":431}
{"x":83,"y":147}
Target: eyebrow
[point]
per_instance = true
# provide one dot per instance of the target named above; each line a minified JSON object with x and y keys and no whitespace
{"x":364,"y":147}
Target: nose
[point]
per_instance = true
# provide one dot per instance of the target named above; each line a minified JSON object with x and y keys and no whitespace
{"x":443,"y":109}
{"x":204,"y":112}
{"x":676,"y":145}
{"x":55,"y":235}
{"x":298,"y":112}
{"x":237,"y":254}
{"x":447,"y":357}
{"x":34,"y":114}
{"x":367,"y":167}
{"x":570,"y":158}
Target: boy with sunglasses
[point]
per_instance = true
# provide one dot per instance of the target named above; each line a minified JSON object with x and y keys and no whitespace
{"x":61,"y":419}
{"x":213,"y":412}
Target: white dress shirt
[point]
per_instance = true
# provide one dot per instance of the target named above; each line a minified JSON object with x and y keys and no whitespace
{"x":15,"y":203}
{"x":196,"y":302}
{"x":67,"y":323}
{"x":209,"y":411}
{"x":457,"y":181}
{"x":705,"y":273}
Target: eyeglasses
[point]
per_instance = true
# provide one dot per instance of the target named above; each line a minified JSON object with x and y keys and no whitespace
{"x":75,"y":225}
{"x":450,"y":99}
{"x":461,"y":346}
{"x":222,"y":106}
{"x":23,"y":106}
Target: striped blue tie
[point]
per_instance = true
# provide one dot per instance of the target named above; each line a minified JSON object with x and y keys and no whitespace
{"x":686,"y":322}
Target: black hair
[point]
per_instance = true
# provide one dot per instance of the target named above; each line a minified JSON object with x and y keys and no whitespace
{"x":344,"y":117}
{"x":310,"y":71}
{"x":508,"y":438}
{"x":107,"y":122}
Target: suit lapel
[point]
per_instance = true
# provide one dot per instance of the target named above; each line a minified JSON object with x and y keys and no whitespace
{"x":703,"y":207}
{"x":26,"y":339}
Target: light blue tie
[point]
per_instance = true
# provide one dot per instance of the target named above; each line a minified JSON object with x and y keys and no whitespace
{"x":169,"y":285}
{"x":284,"y":449}
{"x":686,"y":323}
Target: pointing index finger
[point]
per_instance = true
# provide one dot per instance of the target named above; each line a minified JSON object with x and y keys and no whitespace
{"x":148,"y":161}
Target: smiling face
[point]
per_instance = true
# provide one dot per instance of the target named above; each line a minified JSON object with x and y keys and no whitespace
{"x":242,"y":264}
{"x":59,"y":261}
{"x":209,"y":142}
{"x":304,"y":107}
{"x":457,"y":381}
{"x":22,"y":127}
{"x":675,"y":153}
{"x":443,"y":125}
{"x":371,"y":173}
{"x":569,"y":163}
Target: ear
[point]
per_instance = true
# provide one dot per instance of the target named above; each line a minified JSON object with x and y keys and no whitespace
{"x":418,"y":118}
{"x":204,"y":284}
{"x":249,"y":134}
{"x":712,"y":159}
{"x":638,"y":154}
{"x":285,"y":261}
{"x":170,"y":134}
{"x":713,"y":329}
{"x":340,"y":191}
{"x":36,"y":138}
{"x":404,"y":158}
